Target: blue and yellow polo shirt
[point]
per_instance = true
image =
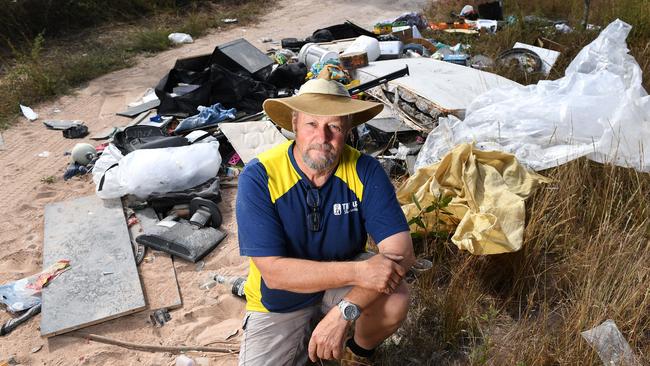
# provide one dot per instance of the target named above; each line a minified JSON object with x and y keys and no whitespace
{"x":272,"y":210}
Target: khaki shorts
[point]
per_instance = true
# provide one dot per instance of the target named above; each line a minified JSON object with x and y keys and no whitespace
{"x":282,"y":338}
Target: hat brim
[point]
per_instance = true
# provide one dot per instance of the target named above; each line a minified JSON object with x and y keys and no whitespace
{"x":279,"y":110}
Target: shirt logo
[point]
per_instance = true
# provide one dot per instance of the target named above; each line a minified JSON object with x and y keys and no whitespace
{"x":344,"y":208}
{"x":337,"y":209}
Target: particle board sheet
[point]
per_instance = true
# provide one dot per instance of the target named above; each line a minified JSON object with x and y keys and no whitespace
{"x":252,"y":138}
{"x":103,"y":281}
{"x":157,"y":270}
{"x":159,"y":281}
{"x":449,"y":86}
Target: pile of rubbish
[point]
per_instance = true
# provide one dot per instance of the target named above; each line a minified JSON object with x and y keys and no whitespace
{"x":465,"y":136}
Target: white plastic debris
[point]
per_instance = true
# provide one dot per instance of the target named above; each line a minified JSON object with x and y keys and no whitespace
{"x":183,"y":360}
{"x":29,"y":113}
{"x":229,"y":20}
{"x":180,"y":38}
{"x":43,"y":154}
{"x":611,"y":346}
{"x":147,"y":171}
{"x":599,"y":109}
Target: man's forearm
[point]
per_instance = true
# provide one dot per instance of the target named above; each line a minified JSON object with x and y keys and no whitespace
{"x":305,"y":276}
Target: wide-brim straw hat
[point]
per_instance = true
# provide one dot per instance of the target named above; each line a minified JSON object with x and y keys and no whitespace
{"x":321,"y":97}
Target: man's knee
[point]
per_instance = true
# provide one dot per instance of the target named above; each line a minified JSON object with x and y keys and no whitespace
{"x":397,"y":306}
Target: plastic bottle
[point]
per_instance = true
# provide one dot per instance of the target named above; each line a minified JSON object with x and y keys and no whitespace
{"x":236,"y":282}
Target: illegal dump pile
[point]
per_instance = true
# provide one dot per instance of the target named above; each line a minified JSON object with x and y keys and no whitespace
{"x":483,"y":206}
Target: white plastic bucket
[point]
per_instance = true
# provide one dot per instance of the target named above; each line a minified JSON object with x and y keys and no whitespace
{"x":365,"y":44}
{"x":311,"y":53}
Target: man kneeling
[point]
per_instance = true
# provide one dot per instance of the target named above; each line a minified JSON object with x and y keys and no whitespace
{"x":304,"y":212}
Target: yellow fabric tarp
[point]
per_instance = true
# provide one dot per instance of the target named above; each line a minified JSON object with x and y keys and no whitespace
{"x":488,"y":189}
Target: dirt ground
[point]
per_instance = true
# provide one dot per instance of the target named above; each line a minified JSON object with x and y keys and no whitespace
{"x":205,"y":316}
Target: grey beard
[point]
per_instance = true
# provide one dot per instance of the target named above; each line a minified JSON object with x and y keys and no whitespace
{"x":321,"y":164}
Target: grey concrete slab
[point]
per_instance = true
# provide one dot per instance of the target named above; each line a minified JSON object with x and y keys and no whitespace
{"x":103,"y":281}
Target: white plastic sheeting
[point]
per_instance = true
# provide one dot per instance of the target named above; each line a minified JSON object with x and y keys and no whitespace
{"x":143,"y":172}
{"x":598,"y":109}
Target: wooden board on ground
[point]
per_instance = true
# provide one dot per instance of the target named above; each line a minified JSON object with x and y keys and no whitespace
{"x":157,"y":270}
{"x":103,"y":281}
{"x":134,"y":111}
{"x":159,"y":281}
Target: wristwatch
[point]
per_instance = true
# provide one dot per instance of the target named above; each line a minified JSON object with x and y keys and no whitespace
{"x":350,"y":311}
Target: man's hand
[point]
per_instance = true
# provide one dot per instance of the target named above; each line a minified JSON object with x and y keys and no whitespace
{"x":326,"y":341}
{"x":381,"y":273}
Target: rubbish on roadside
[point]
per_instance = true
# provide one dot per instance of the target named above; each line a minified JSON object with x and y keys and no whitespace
{"x":403,"y":33}
{"x":379,"y":81}
{"x":390,"y":49}
{"x":2,"y":143}
{"x":354,"y":60}
{"x":481,"y":62}
{"x":12,"y":324}
{"x":75,"y":132}
{"x":43,"y":154}
{"x":229,"y":20}
{"x":57,"y":124}
{"x":207,"y":117}
{"x":180,"y":38}
{"x":284,"y":56}
{"x":471,"y":182}
{"x":456,"y":59}
{"x":252,"y":138}
{"x":159,"y":317}
{"x":585,"y":113}
{"x":468,"y":12}
{"x":189,"y":239}
{"x":422,"y":265}
{"x":25,"y":293}
{"x":73,"y":170}
{"x":435,"y":88}
{"x":236,"y":284}
{"x":525,"y":59}
{"x":611,"y":346}
{"x":288,"y":76}
{"x":138,"y":109}
{"x":158,"y":276}
{"x":29,"y":113}
{"x":222,"y":79}
{"x":333,"y":68}
{"x":183,"y":360}
{"x":147,"y":171}
{"x":84,"y":296}
{"x":548,"y":57}
{"x":312,"y":53}
{"x":240,"y":55}
{"x":563,"y":28}
{"x":489,"y":25}
{"x":490,"y":10}
{"x":36,"y":349}
{"x":83,"y":153}
{"x":366,"y":44}
{"x":266,"y":39}
{"x":383,"y":28}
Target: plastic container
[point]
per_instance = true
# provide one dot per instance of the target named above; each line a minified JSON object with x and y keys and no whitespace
{"x":390,"y":49}
{"x":311,"y":53}
{"x":365,"y":44}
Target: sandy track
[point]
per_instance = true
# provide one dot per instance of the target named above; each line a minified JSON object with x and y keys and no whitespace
{"x":206,"y":315}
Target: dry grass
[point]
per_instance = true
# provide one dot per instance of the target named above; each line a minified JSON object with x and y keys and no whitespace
{"x":585,"y":259}
{"x":586,"y":254}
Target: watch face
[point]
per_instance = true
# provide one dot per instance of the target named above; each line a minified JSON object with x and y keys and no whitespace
{"x":351,"y":312}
